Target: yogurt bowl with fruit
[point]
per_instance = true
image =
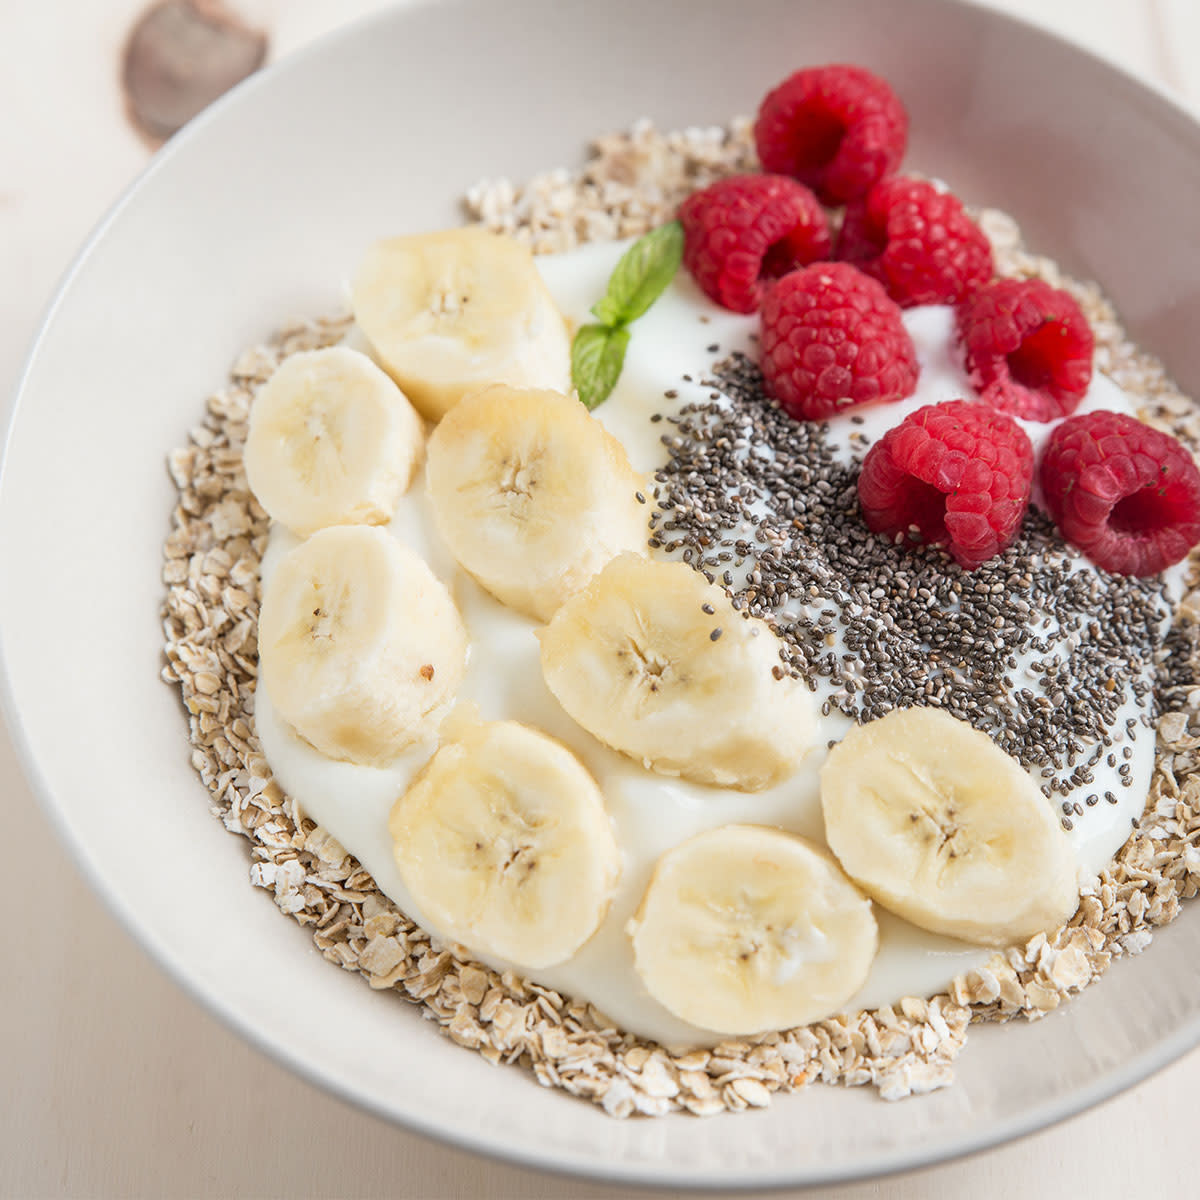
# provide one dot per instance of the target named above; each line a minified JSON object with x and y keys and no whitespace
{"x":530,"y":590}
{"x":672,"y":743}
{"x":743,"y":679}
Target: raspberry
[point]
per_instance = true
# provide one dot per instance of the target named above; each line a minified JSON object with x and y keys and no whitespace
{"x":1028,"y":348}
{"x":960,"y":472}
{"x":744,"y":230}
{"x":917,"y":241}
{"x":831,"y":340}
{"x":838,"y":129}
{"x":1127,"y":495}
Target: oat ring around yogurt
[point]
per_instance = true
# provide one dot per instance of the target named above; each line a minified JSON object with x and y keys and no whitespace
{"x":210,"y":618}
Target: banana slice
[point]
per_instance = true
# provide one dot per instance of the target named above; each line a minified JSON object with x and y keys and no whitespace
{"x":654,"y":661}
{"x":504,"y":842}
{"x":332,"y":441}
{"x":745,"y":929}
{"x":358,"y":643}
{"x":449,"y":312}
{"x":532,"y":495}
{"x":934,"y":820}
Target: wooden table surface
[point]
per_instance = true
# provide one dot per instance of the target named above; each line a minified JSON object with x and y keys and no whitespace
{"x":114,"y":1083}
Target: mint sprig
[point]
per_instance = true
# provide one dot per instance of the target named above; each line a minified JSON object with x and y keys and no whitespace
{"x":639,"y":278}
{"x":597,"y":356}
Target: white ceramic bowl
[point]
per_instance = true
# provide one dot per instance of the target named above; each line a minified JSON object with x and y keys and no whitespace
{"x":255,"y":214}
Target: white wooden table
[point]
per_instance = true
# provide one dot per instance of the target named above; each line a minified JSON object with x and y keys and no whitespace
{"x":112,"y":1082}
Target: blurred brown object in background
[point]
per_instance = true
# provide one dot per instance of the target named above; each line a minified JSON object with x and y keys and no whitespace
{"x":181,"y":55}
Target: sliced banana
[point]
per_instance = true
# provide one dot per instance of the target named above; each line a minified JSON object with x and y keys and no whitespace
{"x":655,"y":662}
{"x":746,"y":929}
{"x":358,"y":643}
{"x":504,"y":842}
{"x":449,"y":312}
{"x":332,"y":441}
{"x":931,"y":818}
{"x":532,"y":495}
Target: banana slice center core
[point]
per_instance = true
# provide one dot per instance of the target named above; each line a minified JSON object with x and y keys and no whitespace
{"x":447,"y":301}
{"x":329,"y":608}
{"x":646,"y":667}
{"x":517,"y":483}
{"x":941,"y":832}
{"x":320,"y":428}
{"x":512,"y":852}
{"x":778,"y":948}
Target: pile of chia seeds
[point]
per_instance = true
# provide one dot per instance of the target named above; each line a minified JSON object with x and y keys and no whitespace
{"x":1033,"y":647}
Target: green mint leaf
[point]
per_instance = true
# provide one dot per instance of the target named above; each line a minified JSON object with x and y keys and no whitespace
{"x":607,"y":312}
{"x":639,"y":278}
{"x":597,"y":356}
{"x":642,"y":275}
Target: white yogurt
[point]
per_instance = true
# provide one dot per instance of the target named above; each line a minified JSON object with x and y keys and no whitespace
{"x":650,"y":812}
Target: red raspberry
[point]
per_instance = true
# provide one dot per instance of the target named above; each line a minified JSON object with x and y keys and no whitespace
{"x":838,"y":129}
{"x":917,"y":241}
{"x":960,"y":472}
{"x":1127,"y":495}
{"x":1028,"y":348}
{"x":744,"y":230}
{"x":831,"y":340}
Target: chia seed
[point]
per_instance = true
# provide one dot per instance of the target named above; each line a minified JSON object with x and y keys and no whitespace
{"x":747,"y":483}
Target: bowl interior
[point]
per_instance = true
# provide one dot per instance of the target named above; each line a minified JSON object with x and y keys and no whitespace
{"x":256,"y":214}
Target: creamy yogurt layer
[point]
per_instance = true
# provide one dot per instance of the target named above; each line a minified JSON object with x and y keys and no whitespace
{"x":669,"y":367}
